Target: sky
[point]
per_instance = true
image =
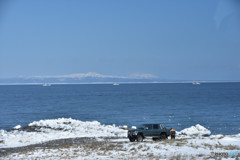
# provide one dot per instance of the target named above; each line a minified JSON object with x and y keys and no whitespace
{"x":168,"y":39}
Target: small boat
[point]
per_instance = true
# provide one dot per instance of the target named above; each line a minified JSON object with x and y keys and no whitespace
{"x":115,"y":84}
{"x":195,"y":83}
{"x":46,"y":85}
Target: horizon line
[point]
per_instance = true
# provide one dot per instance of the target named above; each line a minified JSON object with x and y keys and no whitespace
{"x":168,"y":82}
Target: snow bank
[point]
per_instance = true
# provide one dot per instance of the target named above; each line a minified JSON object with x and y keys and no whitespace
{"x":197,"y":130}
{"x":230,"y":139}
{"x":46,"y":130}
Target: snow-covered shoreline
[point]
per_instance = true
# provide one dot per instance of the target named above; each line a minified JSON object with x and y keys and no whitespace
{"x":46,"y":130}
{"x":191,"y":142}
{"x":62,"y":128}
{"x":121,"y":148}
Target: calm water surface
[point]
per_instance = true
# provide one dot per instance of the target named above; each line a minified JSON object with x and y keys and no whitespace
{"x":216,"y":106}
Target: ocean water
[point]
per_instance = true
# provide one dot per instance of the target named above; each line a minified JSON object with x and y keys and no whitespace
{"x":215,"y":106}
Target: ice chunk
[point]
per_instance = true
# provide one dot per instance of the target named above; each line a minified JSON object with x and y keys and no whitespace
{"x":17,"y":127}
{"x":197,"y":130}
{"x":134,"y":127}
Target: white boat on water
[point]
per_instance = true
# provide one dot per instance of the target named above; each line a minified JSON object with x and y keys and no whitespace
{"x":196,"y":83}
{"x":115,"y":84}
{"x":46,"y":85}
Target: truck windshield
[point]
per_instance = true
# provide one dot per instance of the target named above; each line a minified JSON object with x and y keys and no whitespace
{"x":144,"y":126}
{"x":141,"y":126}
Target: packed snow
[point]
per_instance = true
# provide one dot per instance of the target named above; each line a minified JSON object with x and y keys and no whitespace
{"x":57,"y":129}
{"x":191,"y":143}
{"x":188,"y":148}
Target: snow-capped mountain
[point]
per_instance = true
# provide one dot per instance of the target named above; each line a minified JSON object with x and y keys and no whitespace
{"x":90,"y":77}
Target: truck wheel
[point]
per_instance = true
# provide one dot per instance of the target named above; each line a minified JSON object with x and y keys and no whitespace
{"x":132,"y":139}
{"x":162,"y":136}
{"x":139,"y":138}
{"x":155,"y":139}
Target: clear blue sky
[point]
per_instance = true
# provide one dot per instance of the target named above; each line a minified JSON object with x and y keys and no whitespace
{"x":180,"y":40}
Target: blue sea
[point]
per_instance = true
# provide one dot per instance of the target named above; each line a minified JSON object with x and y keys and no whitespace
{"x":215,"y":106}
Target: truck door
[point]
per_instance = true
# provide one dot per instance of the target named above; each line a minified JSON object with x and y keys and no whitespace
{"x":148,"y":131}
{"x":156,"y":130}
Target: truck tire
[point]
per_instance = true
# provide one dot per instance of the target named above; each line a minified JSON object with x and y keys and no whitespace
{"x":132,"y":139}
{"x":139,"y":138}
{"x":155,"y":139}
{"x":163,"y":136}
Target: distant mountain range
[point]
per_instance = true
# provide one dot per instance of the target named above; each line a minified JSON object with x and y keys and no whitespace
{"x":94,"y":78}
{"x":90,"y":77}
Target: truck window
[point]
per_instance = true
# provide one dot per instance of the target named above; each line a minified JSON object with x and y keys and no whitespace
{"x":149,"y":126}
{"x":155,"y":126}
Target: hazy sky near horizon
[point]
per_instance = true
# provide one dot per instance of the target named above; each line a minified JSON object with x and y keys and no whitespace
{"x":171,"y":39}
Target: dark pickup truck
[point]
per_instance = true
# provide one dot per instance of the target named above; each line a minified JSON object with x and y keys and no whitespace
{"x":156,"y":131}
